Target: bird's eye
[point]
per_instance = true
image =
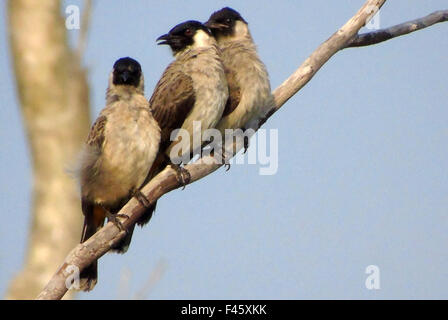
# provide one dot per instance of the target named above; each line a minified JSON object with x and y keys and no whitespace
{"x":228,"y":20}
{"x":188,"y":32}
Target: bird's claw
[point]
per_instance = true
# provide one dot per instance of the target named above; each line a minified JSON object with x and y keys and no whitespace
{"x":246,"y":143}
{"x":142,"y":199}
{"x":183,"y":176}
{"x":224,"y":159}
{"x":114,"y":219}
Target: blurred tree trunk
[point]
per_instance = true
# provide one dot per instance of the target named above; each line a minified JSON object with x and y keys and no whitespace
{"x":54,"y":97}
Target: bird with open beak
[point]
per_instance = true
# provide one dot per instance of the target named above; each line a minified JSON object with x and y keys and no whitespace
{"x":192,"y":90}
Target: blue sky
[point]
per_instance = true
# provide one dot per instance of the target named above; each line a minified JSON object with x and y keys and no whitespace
{"x":362,"y":177}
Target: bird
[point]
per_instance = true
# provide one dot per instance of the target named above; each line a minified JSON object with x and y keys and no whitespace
{"x":118,"y":154}
{"x":250,"y":98}
{"x":193,"y":88}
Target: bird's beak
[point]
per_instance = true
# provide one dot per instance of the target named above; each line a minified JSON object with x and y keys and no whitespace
{"x":216,"y":25}
{"x":164,"y":39}
{"x":125,"y":76}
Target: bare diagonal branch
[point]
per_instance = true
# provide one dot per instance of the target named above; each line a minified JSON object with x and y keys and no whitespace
{"x":369,"y":38}
{"x":82,"y":255}
{"x":324,"y":52}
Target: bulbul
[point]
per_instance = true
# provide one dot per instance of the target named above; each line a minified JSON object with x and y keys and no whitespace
{"x":193,"y":88}
{"x":120,"y":150}
{"x":250,"y":97}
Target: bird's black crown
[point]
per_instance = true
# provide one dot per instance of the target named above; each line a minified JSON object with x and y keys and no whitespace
{"x":127,"y":71}
{"x":192,"y":25}
{"x":224,"y":20}
{"x":182,"y":35}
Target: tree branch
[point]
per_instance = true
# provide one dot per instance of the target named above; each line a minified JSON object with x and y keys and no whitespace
{"x":82,"y":255}
{"x":369,"y":38}
{"x":324,"y":52}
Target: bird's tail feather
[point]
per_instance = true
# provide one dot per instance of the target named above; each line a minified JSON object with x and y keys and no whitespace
{"x":123,"y":246}
{"x":159,"y":164}
{"x":94,"y":217}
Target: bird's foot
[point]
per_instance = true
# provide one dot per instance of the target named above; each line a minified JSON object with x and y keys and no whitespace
{"x":183,"y":176}
{"x":114,"y":219}
{"x":224,"y":160}
{"x":142,"y":199}
{"x":246,"y":143}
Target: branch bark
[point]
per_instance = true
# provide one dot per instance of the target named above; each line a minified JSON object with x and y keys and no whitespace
{"x":369,"y":38}
{"x":53,"y":93}
{"x":82,"y":255}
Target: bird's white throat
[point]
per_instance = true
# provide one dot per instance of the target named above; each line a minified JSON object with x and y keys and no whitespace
{"x":202,"y":39}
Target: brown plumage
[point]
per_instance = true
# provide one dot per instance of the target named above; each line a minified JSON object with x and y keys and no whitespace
{"x":234,"y":91}
{"x":171,"y":102}
{"x":250,"y":97}
{"x":192,"y":88}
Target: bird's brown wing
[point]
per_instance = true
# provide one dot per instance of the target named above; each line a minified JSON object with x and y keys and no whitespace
{"x":172,"y":101}
{"x":234,"y":92}
{"x":94,"y":215}
{"x":96,"y":134}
